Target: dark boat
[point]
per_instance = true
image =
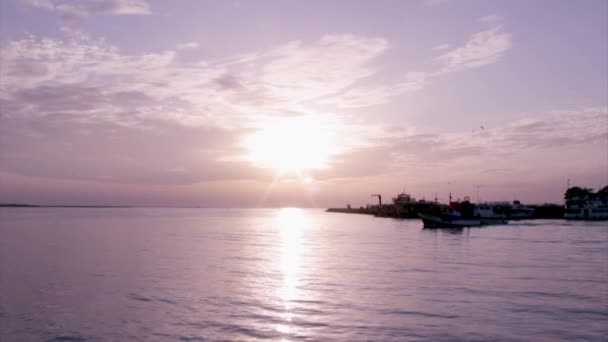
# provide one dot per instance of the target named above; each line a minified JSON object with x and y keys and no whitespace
{"x":458,"y":215}
{"x":448,"y":221}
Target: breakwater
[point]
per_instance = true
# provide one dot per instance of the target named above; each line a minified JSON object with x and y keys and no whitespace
{"x":543,"y":211}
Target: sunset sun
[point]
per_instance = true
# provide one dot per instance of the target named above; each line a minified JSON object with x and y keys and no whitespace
{"x":303,"y":170}
{"x":290,"y":145}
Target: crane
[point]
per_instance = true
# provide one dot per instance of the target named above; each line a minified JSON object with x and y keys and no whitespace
{"x":379,"y":198}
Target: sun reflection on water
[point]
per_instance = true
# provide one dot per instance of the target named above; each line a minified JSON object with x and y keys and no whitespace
{"x":291,"y":224}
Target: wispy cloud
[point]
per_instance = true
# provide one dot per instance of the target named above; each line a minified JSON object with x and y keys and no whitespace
{"x":441,"y":47}
{"x":85,"y":90}
{"x":365,"y":96}
{"x":84,"y":85}
{"x":189,"y":45}
{"x":413,"y":81}
{"x":433,"y":2}
{"x":428,"y":155}
{"x":154,"y":152}
{"x":491,"y":19}
{"x":278,"y":81}
{"x":302,"y":71}
{"x":72,"y":14}
{"x":551,"y":130}
{"x":483,"y":48}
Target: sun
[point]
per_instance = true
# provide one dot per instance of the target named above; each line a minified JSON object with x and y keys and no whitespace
{"x":291,"y":144}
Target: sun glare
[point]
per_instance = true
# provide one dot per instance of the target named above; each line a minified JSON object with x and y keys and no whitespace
{"x":292,"y":223}
{"x":291,"y":145}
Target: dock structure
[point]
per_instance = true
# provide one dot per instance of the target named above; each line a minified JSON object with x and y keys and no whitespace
{"x":406,"y":207}
{"x":395,"y":210}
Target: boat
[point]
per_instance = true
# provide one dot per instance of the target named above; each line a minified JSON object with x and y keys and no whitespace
{"x":492,"y":221}
{"x":448,"y":221}
{"x":519,"y":211}
{"x":513,"y":211}
{"x":461,"y":214}
{"x":489,"y":214}
{"x":586,"y":209}
{"x":404,"y":199}
{"x":458,"y":215}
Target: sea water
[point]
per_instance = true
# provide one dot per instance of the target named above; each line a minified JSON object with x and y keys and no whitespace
{"x":150,"y":274}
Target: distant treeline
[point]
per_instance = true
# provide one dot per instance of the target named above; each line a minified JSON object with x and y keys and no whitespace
{"x":579,"y":192}
{"x":17,"y":205}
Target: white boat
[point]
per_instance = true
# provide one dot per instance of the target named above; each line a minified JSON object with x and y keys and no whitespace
{"x":489,"y":214}
{"x":513,"y":211}
{"x":520,"y":211}
{"x":585,"y":209}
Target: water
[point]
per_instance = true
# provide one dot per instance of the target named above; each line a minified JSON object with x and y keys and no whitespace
{"x":295,"y":275}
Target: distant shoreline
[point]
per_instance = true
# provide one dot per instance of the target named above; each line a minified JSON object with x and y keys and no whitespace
{"x":19,"y":205}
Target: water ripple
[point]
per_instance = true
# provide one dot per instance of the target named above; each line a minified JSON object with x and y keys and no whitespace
{"x":272,"y":275}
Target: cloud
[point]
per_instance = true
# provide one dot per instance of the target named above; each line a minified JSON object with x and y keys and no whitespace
{"x":441,"y":47}
{"x":80,"y":84}
{"x":491,"y":19}
{"x":156,"y":152}
{"x":50,"y":89}
{"x":366,"y":96}
{"x":84,"y":75}
{"x":302,"y":72}
{"x":434,"y":2}
{"x":229,"y":82}
{"x":360,"y":97}
{"x":233,"y":90}
{"x":557,"y":129}
{"x":44,"y":4}
{"x":72,"y":15}
{"x":80,"y":108}
{"x":413,"y":81}
{"x":483,"y":48}
{"x":91,"y":80}
{"x":189,"y":45}
{"x":430,"y":156}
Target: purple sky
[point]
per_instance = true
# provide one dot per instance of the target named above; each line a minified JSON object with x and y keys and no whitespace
{"x":157,"y":102}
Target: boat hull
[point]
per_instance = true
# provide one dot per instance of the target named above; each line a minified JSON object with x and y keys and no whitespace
{"x":491,"y":221}
{"x":430,"y":221}
{"x":586,"y":218}
{"x":587,"y":213}
{"x":520,"y":216}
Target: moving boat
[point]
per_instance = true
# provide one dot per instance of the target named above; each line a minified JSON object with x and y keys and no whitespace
{"x":448,"y":221}
{"x":464,"y":214}
{"x":458,"y":215}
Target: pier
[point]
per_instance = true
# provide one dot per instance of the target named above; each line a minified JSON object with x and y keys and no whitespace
{"x":411,"y":210}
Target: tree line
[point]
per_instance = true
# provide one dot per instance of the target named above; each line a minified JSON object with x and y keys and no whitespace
{"x":581,"y":192}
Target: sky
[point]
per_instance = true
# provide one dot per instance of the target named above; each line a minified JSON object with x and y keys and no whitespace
{"x":300,"y":103}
